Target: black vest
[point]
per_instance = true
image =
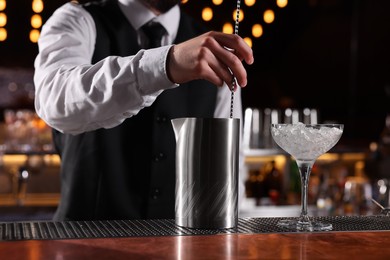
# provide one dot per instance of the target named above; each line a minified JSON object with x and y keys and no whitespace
{"x":128,"y":172}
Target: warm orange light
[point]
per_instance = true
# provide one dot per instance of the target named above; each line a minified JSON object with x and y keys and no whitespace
{"x":36,"y":21}
{"x":37,"y":6}
{"x":257,"y":30}
{"x":227,"y":28}
{"x":281,"y":3}
{"x":269,"y":16}
{"x":240,"y":17}
{"x":207,"y":14}
{"x":3,"y":19}
{"x":34,"y":35}
{"x":3,"y":5}
{"x":184,"y":1}
{"x":3,"y":34}
{"x":39,"y":124}
{"x":248,"y":41}
{"x":217,"y":2}
{"x":250,"y":2}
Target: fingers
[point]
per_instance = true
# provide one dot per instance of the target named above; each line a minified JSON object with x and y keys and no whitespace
{"x":236,"y":44}
{"x":216,"y":70}
{"x":213,"y":56}
{"x":229,"y":50}
{"x":218,"y":67}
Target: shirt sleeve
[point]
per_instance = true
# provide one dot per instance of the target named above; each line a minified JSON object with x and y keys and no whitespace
{"x":223,"y":104}
{"x":74,"y":96}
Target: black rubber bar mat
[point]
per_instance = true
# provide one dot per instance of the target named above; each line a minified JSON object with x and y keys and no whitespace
{"x":166,"y":227}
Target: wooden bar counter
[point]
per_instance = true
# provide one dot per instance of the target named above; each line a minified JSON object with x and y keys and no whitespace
{"x":254,"y":238}
{"x":330,"y":245}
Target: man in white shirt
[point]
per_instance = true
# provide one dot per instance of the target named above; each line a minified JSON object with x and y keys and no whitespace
{"x":110,"y":100}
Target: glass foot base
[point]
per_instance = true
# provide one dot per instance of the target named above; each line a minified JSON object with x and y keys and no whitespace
{"x":296,"y":224}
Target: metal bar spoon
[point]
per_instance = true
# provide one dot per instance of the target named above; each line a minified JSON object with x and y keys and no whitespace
{"x":384,"y":211}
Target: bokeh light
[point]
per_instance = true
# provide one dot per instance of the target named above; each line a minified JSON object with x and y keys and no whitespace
{"x":36,"y":21}
{"x":3,"y":5}
{"x":217,"y":2}
{"x":228,"y":28}
{"x":207,"y":14}
{"x":269,"y":16}
{"x":34,"y":35}
{"x":3,"y":34}
{"x":3,"y":19}
{"x":248,"y":41}
{"x":257,"y":30}
{"x":241,"y":15}
{"x":281,"y":3}
{"x":37,"y":6}
{"x":250,"y":2}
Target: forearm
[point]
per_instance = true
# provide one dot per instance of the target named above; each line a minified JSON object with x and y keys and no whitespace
{"x":81,"y":98}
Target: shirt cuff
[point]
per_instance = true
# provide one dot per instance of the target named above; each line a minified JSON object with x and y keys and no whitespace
{"x":152,"y":74}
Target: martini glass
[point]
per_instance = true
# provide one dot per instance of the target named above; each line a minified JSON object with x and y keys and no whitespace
{"x":306,"y":142}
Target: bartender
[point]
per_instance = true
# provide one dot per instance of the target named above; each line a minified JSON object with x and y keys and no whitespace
{"x":109,"y":92}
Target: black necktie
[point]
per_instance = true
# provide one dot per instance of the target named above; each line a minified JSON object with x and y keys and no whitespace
{"x":154,"y":32}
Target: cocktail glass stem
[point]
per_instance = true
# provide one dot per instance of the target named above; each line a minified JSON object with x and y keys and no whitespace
{"x":304,"y":170}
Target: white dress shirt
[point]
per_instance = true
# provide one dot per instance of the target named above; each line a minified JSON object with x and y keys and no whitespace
{"x":75,"y":96}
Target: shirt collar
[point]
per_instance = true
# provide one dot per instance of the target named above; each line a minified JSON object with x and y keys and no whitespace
{"x":138,"y":15}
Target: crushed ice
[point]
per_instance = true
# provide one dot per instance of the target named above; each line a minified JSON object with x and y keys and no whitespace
{"x":305,"y":142}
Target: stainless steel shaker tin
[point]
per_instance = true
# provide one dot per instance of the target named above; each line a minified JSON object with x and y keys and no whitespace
{"x":207,"y":165}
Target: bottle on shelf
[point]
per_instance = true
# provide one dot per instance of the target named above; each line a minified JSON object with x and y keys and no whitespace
{"x":273,"y":183}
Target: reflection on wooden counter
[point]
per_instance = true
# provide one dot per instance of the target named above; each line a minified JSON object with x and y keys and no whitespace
{"x":351,"y":245}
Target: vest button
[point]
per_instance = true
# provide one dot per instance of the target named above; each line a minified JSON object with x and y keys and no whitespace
{"x":161,"y":119}
{"x":156,"y":193}
{"x":158,"y":157}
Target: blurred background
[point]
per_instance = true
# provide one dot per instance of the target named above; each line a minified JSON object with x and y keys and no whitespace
{"x":330,"y":56}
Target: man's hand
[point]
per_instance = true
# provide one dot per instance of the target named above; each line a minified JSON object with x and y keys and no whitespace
{"x":213,"y":56}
